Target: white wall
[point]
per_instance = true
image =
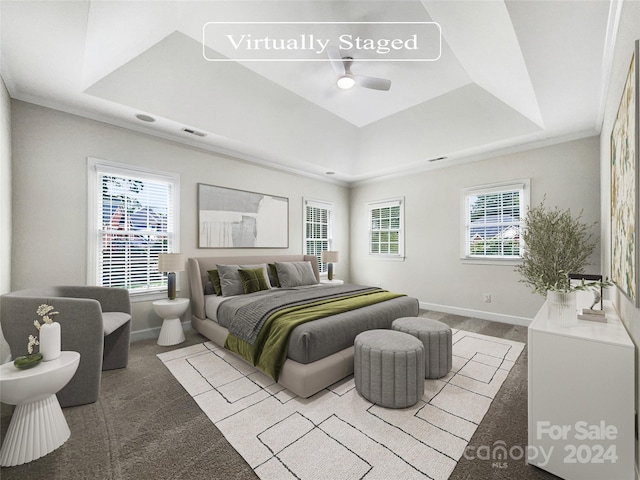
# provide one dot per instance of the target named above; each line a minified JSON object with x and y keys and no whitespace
{"x":50,"y":151}
{"x":5,"y":203}
{"x":568,"y":173}
{"x":628,"y":33}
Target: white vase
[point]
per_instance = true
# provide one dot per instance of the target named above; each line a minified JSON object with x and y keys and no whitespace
{"x":50,"y":341}
{"x":562,"y":308}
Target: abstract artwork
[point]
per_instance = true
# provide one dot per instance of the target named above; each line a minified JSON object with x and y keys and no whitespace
{"x":230,"y":218}
{"x":624,"y":188}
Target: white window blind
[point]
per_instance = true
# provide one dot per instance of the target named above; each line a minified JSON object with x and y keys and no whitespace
{"x":317,"y":224}
{"x":134,"y":221}
{"x":386,"y":225}
{"x":493,"y":220}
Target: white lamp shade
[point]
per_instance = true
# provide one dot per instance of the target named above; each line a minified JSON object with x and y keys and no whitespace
{"x":170,"y":262}
{"x":329,"y":256}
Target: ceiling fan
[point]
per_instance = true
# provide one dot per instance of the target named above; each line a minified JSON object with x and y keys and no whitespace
{"x":342,"y":66}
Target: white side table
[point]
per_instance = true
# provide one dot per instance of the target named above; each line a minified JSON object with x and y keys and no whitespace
{"x":335,"y":281}
{"x":38,"y":425}
{"x":171,"y":310}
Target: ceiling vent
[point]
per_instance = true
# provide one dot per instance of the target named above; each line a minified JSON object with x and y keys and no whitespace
{"x":194,"y":132}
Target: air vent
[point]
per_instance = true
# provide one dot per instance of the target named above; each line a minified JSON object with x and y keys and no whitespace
{"x":194,"y":132}
{"x":437,"y":159}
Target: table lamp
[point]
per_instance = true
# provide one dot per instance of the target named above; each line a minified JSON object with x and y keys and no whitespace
{"x":330,"y":257}
{"x":170,"y":263}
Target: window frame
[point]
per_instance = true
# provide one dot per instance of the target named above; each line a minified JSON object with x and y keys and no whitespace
{"x":379,"y":204}
{"x":330,"y":207}
{"x":98,"y":167}
{"x":522,"y":185}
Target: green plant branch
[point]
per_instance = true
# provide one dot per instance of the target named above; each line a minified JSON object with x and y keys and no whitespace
{"x":556,"y":244}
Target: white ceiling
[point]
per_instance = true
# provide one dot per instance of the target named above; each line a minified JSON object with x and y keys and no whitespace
{"x":509,"y":73}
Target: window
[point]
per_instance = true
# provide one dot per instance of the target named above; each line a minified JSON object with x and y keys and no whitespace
{"x":132,"y":219}
{"x":318,"y":227}
{"x":492,"y":220}
{"x":386,"y":228}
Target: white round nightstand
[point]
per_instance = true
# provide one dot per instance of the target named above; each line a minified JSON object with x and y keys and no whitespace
{"x":335,"y":281}
{"x":171,"y":310}
{"x":38,"y":425}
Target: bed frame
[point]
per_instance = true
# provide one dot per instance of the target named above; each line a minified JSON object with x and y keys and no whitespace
{"x":302,"y":379}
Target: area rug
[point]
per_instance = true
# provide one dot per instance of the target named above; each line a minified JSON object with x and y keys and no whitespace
{"x":336,"y":434}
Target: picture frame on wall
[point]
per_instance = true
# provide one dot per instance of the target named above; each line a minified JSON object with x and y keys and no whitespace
{"x":231,"y":218}
{"x":624,"y":187}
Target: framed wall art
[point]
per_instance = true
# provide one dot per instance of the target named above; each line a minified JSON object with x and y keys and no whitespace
{"x":230,"y":218}
{"x":624,"y":187}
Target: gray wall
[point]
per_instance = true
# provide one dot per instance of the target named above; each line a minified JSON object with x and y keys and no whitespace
{"x":50,"y":151}
{"x":627,"y":35}
{"x":5,"y":203}
{"x":567,"y":173}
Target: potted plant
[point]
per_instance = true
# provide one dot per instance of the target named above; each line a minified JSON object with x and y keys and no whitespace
{"x":556,"y":244}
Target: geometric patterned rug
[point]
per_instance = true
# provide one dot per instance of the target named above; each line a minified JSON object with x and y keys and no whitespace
{"x":336,"y":434}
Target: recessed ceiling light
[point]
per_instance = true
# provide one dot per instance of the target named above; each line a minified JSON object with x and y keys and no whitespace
{"x":145,"y":118}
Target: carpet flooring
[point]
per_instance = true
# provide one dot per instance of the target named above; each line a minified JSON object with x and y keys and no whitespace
{"x":146,"y":426}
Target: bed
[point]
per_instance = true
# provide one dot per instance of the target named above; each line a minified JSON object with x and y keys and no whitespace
{"x":319,"y":352}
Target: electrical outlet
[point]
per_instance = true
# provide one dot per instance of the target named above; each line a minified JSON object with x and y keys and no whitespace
{"x":486,"y":298}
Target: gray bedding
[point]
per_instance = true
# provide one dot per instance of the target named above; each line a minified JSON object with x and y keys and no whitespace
{"x":318,"y":339}
{"x":245,"y":315}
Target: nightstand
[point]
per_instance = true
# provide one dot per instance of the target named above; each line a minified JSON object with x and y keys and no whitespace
{"x":171,"y":310}
{"x":335,"y":281}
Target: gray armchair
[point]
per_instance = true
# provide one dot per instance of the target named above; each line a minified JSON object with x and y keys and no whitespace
{"x":94,"y":321}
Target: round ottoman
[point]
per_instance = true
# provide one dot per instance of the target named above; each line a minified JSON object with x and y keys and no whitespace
{"x":436,"y":338}
{"x":389,"y":368}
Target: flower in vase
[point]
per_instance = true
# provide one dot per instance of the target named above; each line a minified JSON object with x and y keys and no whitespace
{"x":45,"y":312}
{"x":32,"y":341}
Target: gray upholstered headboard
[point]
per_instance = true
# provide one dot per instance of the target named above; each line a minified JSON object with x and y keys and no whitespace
{"x":198,"y":267}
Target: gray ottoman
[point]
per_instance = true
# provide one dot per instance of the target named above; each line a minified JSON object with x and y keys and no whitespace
{"x":436,"y":337}
{"x":389,"y":368}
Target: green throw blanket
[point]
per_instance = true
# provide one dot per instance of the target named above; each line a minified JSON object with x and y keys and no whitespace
{"x":269,"y":351}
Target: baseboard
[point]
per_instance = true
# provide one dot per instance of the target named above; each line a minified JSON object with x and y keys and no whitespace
{"x":466,"y":312}
{"x":147,"y":333}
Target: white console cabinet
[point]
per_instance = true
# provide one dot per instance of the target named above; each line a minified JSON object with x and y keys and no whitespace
{"x":581,"y":398}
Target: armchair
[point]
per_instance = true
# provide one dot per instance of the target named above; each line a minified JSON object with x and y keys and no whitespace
{"x":95,"y":321}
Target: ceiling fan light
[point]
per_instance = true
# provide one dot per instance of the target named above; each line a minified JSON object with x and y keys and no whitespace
{"x":345,"y":82}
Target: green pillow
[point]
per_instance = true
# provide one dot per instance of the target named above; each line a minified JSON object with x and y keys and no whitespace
{"x":253,"y":280}
{"x":273,"y":275}
{"x":215,"y":279}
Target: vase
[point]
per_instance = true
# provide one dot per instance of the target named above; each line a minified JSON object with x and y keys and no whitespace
{"x":562,"y":308}
{"x":50,"y":341}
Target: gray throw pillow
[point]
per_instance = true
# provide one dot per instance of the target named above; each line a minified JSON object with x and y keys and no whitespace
{"x":295,"y":274}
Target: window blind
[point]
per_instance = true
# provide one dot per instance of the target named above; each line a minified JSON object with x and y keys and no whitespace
{"x":317,"y":230}
{"x":493,"y":221}
{"x":135,"y":222}
{"x":385,"y":228}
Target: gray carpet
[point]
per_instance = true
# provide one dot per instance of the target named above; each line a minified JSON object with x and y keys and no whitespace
{"x":145,"y":425}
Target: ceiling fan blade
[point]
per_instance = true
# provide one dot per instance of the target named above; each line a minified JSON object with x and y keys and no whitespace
{"x":372,"y":82}
{"x":336,"y":60}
